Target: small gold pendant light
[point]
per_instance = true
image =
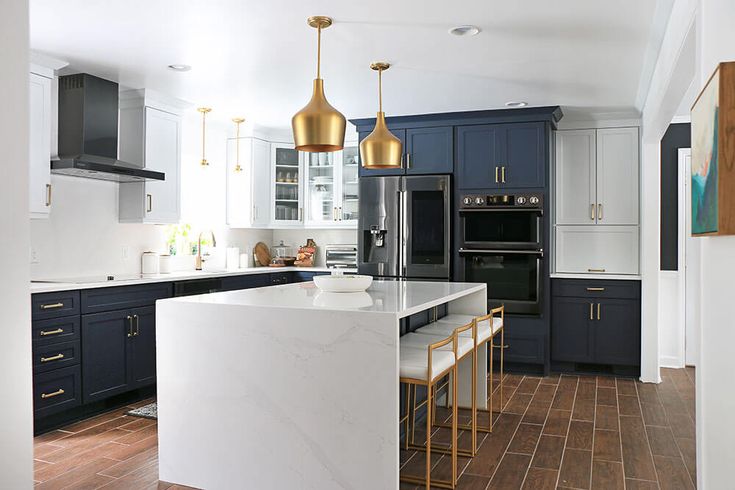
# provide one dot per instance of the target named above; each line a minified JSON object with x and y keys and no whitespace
{"x":238,"y":121}
{"x":381,"y":148}
{"x":204,"y":111}
{"x":318,"y":127}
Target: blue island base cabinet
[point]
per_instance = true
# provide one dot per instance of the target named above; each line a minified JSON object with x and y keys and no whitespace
{"x":596,"y":326}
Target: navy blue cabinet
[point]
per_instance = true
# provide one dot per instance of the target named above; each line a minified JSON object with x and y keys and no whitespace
{"x":429,"y":150}
{"x":106,"y":341}
{"x":231,"y":283}
{"x":596,"y":322}
{"x":143,"y":347}
{"x":496,"y":156}
{"x":365,"y":172}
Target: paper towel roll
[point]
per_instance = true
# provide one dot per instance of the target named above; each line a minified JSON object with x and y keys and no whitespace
{"x":233,"y":258}
{"x":246,"y":260}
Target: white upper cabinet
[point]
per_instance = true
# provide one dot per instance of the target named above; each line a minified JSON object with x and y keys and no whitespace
{"x":597,"y":176}
{"x":248,"y":189}
{"x":331,"y":188}
{"x":575,"y":177}
{"x":617,"y":176}
{"x":150,"y":136}
{"x":40,"y":146}
{"x":287,"y":197}
{"x":597,"y":249}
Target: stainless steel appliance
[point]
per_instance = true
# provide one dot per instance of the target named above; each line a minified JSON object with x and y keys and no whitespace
{"x":501,"y":245}
{"x":404,"y":227}
{"x":341,"y":256}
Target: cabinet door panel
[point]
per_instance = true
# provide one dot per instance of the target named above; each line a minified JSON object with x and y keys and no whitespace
{"x":477,"y":157}
{"x":617,"y":332}
{"x":571,"y":336}
{"x":105,"y":357}
{"x":617,"y":176}
{"x":575,"y":177}
{"x":286,"y":185}
{"x":365,"y":172}
{"x":259,"y":178}
{"x":522,"y":156}
{"x":429,"y":150}
{"x":143,"y":347}
{"x":597,"y":249}
{"x":162,"y":153}
{"x":40,"y":146}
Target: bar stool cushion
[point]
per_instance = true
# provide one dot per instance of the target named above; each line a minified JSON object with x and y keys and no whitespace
{"x":414,"y":362}
{"x":422,"y":340}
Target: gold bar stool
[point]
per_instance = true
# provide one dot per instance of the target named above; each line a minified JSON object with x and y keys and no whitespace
{"x":465,"y":346}
{"x":427,"y":367}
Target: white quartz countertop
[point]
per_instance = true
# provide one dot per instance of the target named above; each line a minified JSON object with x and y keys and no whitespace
{"x":402,"y":298}
{"x":130,"y":280}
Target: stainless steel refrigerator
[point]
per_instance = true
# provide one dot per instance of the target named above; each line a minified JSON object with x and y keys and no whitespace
{"x":404,"y":227}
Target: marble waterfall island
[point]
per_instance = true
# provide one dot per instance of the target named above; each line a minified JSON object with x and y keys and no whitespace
{"x":290,"y":387}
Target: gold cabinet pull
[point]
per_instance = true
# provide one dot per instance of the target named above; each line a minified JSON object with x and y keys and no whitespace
{"x":48,"y":195}
{"x":591,"y":309}
{"x":595,"y":270}
{"x":130,"y":325}
{"x":136,"y":319}
{"x":58,"y":392}
{"x":52,"y":358}
{"x":52,"y":306}
{"x":598,"y":311}
{"x":44,"y":333}
{"x":149,"y":198}
{"x":595,"y":289}
{"x":501,"y":346}
{"x":339,"y":213}
{"x":496,"y":174}
{"x":502,"y":174}
{"x":599,"y":212}
{"x":408,"y":160}
{"x":592,"y":212}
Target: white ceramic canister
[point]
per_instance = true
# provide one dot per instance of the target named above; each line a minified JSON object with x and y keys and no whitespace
{"x":149,"y":263}
{"x":164,"y":264}
{"x":246,"y":260}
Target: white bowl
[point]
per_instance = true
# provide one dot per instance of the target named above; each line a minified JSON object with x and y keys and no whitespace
{"x":343,"y":284}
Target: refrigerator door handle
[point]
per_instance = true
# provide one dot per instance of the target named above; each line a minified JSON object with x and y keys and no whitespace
{"x":404,"y":234}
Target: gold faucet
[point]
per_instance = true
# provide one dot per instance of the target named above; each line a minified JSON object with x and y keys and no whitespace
{"x":200,"y":260}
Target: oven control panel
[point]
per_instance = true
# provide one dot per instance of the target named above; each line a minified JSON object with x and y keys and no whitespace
{"x":502,"y":200}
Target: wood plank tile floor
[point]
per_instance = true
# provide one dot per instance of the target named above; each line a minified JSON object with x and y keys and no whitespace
{"x":577,"y":432}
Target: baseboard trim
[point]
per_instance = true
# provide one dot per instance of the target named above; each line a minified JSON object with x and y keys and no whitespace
{"x":671,"y":362}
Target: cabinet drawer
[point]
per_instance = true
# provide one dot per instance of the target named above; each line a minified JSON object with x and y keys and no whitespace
{"x":55,"y":330}
{"x":55,"y":356}
{"x":55,"y":305}
{"x":118,"y":298}
{"x":56,"y":390}
{"x":583,"y":288}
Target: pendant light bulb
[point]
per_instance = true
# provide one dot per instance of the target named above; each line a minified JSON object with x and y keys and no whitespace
{"x":204,"y":111}
{"x":238,"y":121}
{"x":381,"y":148}
{"x":319,"y":127}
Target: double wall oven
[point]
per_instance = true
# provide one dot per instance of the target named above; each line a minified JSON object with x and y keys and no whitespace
{"x":500,"y":244}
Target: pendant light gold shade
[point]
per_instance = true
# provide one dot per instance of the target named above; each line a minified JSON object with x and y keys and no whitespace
{"x":319,"y":127}
{"x":381,"y":148}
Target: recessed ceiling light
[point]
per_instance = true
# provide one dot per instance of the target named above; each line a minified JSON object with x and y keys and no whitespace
{"x":516,"y":103}
{"x":467,"y":30}
{"x":179,"y":67}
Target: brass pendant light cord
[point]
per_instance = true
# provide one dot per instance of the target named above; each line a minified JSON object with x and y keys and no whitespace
{"x":204,"y":135}
{"x":237,"y":151}
{"x":319,"y":52}
{"x":380,"y":90}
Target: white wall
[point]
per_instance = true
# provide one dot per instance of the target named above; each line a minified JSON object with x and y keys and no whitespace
{"x":16,"y":406}
{"x":715,"y":393}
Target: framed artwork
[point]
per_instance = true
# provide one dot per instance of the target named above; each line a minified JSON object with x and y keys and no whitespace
{"x":713,"y":155}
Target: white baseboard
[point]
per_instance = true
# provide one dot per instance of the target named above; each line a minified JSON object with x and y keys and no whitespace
{"x":671,"y":362}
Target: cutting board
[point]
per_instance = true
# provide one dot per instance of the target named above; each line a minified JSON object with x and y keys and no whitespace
{"x":263,"y":254}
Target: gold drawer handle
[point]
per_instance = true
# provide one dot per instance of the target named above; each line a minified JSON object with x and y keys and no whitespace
{"x":595,"y":289}
{"x":501,"y":346}
{"x":58,"y":392}
{"x":595,"y":270}
{"x":51,"y":332}
{"x":52,"y":306}
{"x":52,"y":358}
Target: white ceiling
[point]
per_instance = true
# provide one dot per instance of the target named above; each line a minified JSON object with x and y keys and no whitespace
{"x":257,"y":58}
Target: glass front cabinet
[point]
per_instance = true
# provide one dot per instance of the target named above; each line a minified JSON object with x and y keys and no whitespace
{"x":331,"y":188}
{"x":286,"y":177}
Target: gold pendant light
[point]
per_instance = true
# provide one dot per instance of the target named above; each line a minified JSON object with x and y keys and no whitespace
{"x":204,"y":111}
{"x":238,"y":121}
{"x":319,"y":127}
{"x":381,"y":148}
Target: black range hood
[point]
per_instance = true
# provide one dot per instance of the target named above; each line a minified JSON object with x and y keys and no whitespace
{"x":88,"y":120}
